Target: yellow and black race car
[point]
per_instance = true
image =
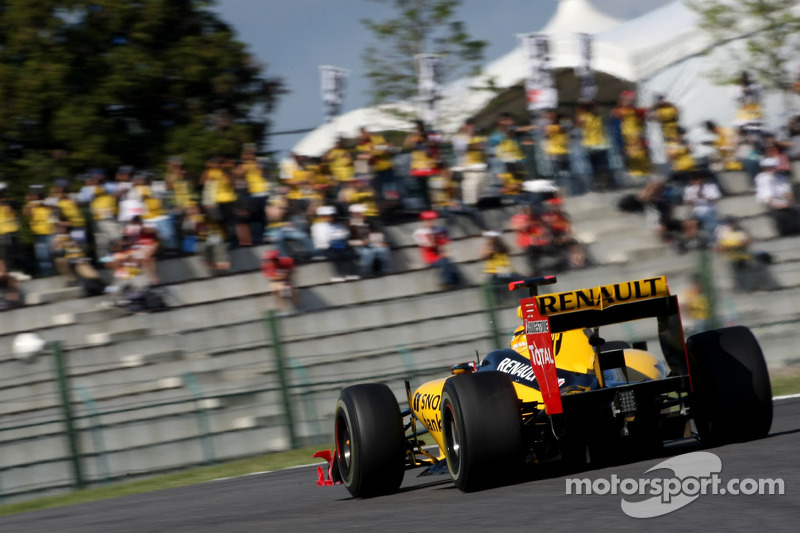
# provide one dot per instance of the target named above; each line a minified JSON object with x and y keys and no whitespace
{"x":560,"y":393}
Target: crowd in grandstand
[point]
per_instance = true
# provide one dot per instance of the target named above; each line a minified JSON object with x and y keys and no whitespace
{"x":335,"y":207}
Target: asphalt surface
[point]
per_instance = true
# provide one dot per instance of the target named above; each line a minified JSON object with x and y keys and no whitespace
{"x":289,"y":500}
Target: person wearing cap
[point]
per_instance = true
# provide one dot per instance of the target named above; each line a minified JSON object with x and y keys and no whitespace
{"x":332,"y":239}
{"x":667,"y":115}
{"x":104,"y":217}
{"x":432,"y":242}
{"x":278,"y":270}
{"x":369,"y":242}
{"x":122,"y":182}
{"x":219,"y":196}
{"x":775,"y":192}
{"x":42,"y":220}
{"x":9,"y":230}
{"x":373,"y":155}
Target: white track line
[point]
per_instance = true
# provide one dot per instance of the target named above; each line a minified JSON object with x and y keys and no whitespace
{"x":786,"y":397}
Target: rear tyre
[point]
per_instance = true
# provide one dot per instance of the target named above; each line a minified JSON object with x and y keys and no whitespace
{"x":370,"y":442}
{"x":732,"y":398}
{"x":481,"y":430}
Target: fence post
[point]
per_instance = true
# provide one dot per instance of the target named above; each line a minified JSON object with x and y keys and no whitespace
{"x":706,"y":275}
{"x":62,"y":377}
{"x":203,"y":426}
{"x":309,"y":403}
{"x":97,"y":434}
{"x":489,"y":301}
{"x":280,"y":365}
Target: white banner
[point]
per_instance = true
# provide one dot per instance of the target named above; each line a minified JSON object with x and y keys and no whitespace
{"x":429,"y":76}
{"x":333,"y":83}
{"x":584,"y":71}
{"x":540,"y":85}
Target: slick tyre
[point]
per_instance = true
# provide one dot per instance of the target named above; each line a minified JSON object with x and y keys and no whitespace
{"x":481,"y":430}
{"x":370,"y":442}
{"x":732,"y":396}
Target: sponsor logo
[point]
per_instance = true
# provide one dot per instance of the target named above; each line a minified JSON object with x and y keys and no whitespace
{"x":427,"y":401}
{"x":603,"y":296}
{"x":693,"y":475}
{"x":520,"y":369}
{"x":538,"y":326}
{"x":541,"y":356}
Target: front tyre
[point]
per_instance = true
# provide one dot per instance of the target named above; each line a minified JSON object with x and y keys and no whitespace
{"x":732,"y":395}
{"x":482,"y":429}
{"x":370,"y":442}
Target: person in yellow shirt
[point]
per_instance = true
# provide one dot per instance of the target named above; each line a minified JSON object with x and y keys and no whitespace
{"x":219,"y":196}
{"x":258,"y":192}
{"x":42,"y":219}
{"x":557,"y":148}
{"x":667,"y":115}
{"x":497,"y":265}
{"x":104,"y":216}
{"x":595,"y":142}
{"x":9,"y":230}
{"x":631,"y":124}
{"x":375,"y":153}
{"x":680,"y":155}
{"x":340,"y":161}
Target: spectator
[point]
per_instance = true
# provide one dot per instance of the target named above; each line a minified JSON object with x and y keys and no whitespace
{"x":340,"y":161}
{"x":659,"y":200}
{"x":42,"y":219}
{"x":747,"y":269}
{"x":572,"y":254}
{"x":702,"y":196}
{"x":219,"y":196}
{"x":695,"y":310}
{"x":534,"y":238}
{"x":432,"y":242}
{"x":283,"y":228}
{"x":332,"y":238}
{"x":69,"y":211}
{"x":497,"y":264}
{"x":278,"y":270}
{"x":472,"y":164}
{"x":667,"y":115}
{"x":557,"y":140}
{"x":680,"y":154}
{"x":258,"y":192}
{"x":775,"y":192}
{"x":374,"y":156}
{"x":424,"y":159}
{"x":9,"y":230}
{"x":104,"y":216}
{"x":631,"y":125}
{"x":11,"y":297}
{"x":369,"y":243}
{"x":748,"y":96}
{"x":596,"y":144}
{"x":72,"y":263}
{"x":506,"y":149}
{"x":214,"y":248}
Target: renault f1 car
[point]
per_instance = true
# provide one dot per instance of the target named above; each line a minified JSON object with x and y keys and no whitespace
{"x":559,"y":393}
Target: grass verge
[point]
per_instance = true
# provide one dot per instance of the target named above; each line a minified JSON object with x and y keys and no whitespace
{"x":272,"y":461}
{"x":786,"y":382}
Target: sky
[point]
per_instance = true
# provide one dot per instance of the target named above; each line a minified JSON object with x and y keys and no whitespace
{"x":293,"y":37}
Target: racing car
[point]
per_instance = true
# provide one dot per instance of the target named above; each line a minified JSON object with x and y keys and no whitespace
{"x":559,"y":393}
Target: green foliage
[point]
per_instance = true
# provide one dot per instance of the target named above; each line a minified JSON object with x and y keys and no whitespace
{"x":107,"y":82}
{"x":417,"y":27}
{"x":769,"y":29}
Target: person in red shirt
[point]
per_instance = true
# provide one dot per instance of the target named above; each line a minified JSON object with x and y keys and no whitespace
{"x":432,"y":241}
{"x":278,"y":270}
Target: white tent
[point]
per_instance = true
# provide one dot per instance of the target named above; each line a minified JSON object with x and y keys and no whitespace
{"x":660,"y":52}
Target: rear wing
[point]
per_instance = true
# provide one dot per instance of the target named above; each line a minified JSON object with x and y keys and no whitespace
{"x":595,"y":307}
{"x":607,"y":304}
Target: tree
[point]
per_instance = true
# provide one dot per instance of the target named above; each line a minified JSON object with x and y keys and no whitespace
{"x":418,"y":27}
{"x":99,"y":83}
{"x":768,"y":30}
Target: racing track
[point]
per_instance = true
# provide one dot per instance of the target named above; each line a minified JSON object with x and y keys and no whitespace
{"x":288,"y":500}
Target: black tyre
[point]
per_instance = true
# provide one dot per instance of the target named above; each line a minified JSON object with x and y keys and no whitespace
{"x":732,"y":398}
{"x":481,"y":429}
{"x":370,"y":442}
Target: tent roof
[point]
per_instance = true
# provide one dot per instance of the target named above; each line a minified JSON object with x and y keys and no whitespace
{"x":578,"y":16}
